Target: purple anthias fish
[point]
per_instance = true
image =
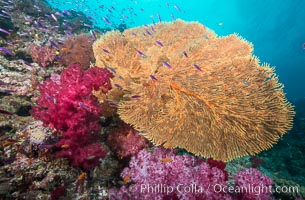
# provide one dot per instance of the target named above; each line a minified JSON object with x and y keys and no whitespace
{"x":6,"y":90}
{"x":197,"y":67}
{"x":54,"y":17}
{"x":39,"y":24}
{"x":53,"y":99}
{"x":159,"y":17}
{"x":53,"y":44}
{"x":113,"y":104}
{"x":159,"y":43}
{"x":59,"y":14}
{"x":87,"y":25}
{"x":81,"y":104}
{"x":27,"y":63}
{"x":105,"y":50}
{"x":173,"y":17}
{"x":5,"y":50}
{"x":4,"y":31}
{"x":111,"y":69}
{"x":141,"y":54}
{"x":166,"y":64}
{"x":46,"y":146}
{"x":68,"y":32}
{"x":118,"y":86}
{"x":135,"y":96}
{"x":147,"y":31}
{"x":177,"y":8}
{"x":185,"y":54}
{"x":5,"y":12}
{"x":153,"y":77}
{"x":106,"y":20}
{"x":66,"y":12}
{"x":93,"y":34}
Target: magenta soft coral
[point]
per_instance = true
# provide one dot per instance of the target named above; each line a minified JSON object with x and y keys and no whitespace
{"x":162,"y":174}
{"x":67,"y":104}
{"x":253,"y":185}
{"x":125,"y":141}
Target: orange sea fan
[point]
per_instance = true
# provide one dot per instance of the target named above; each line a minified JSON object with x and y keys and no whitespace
{"x":185,"y":87}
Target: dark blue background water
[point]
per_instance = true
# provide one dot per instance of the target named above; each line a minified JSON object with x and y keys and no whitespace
{"x":275,"y":27}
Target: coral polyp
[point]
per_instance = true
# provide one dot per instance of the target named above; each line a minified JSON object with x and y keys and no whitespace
{"x":186,"y":87}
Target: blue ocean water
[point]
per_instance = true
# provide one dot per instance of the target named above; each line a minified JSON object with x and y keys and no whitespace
{"x":275,"y":27}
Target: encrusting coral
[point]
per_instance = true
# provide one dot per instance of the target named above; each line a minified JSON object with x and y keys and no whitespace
{"x":185,"y":87}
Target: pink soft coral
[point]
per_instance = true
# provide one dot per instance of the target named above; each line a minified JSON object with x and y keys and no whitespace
{"x":42,"y":55}
{"x":125,"y":141}
{"x":162,"y":174}
{"x":253,"y":185}
{"x":67,"y":104}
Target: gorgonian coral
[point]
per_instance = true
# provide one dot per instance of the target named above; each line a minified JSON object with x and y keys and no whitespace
{"x":66,"y":104}
{"x":42,"y":55}
{"x":77,"y":49}
{"x":181,"y":177}
{"x":185,"y":87}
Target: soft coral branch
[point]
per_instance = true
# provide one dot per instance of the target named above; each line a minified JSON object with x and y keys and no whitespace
{"x":67,"y":104}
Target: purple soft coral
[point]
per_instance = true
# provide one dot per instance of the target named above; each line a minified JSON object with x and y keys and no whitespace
{"x":67,"y":104}
{"x":253,"y":185}
{"x":162,"y":174}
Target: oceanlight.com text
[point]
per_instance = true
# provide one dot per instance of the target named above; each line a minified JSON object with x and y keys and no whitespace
{"x":218,"y":188}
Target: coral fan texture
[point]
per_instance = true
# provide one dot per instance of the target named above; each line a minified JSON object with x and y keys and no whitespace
{"x":67,"y":104}
{"x":185,"y":87}
{"x":179,"y":173}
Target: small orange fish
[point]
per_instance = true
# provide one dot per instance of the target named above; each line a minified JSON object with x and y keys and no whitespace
{"x":129,"y":134}
{"x":81,"y":176}
{"x":22,"y":135}
{"x":127,"y":178}
{"x":8,"y":143}
{"x":64,"y":49}
{"x":166,"y":160}
{"x":65,"y":146}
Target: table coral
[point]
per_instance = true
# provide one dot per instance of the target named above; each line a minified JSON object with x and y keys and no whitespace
{"x":185,"y":87}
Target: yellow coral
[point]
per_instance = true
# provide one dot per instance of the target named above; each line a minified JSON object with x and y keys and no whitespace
{"x":185,"y":87}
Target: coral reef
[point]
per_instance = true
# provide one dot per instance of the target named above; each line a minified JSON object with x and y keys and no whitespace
{"x":77,"y":49}
{"x":252,"y":177}
{"x":30,"y":176}
{"x":164,"y":167}
{"x":185,"y":87}
{"x":125,"y":141}
{"x":67,"y":105}
{"x":193,"y":87}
